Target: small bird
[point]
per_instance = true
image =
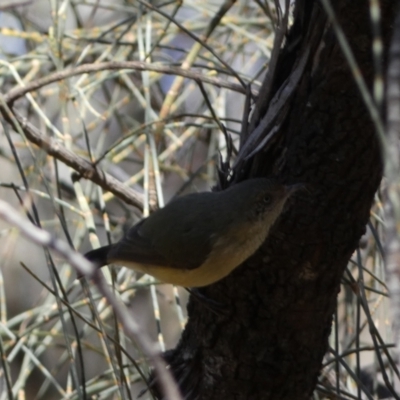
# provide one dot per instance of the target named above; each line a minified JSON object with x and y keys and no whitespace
{"x":200,"y":238}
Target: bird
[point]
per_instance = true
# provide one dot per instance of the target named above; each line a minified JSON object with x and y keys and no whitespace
{"x":200,"y":238}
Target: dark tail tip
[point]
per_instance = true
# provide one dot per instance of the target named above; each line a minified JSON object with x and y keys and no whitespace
{"x":97,"y":257}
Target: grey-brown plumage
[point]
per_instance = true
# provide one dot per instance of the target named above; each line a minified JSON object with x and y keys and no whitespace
{"x":200,"y":238}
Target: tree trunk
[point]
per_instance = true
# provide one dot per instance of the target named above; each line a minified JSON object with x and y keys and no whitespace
{"x":271,"y":343}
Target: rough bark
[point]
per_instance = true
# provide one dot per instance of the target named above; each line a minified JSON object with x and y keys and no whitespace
{"x":271,"y":343}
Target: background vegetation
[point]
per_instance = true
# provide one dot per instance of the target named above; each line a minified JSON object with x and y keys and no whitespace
{"x":122,"y":105}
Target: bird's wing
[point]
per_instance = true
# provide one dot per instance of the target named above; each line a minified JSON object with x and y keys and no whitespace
{"x":175,"y":237}
{"x":178,"y":236}
{"x":133,"y":247}
{"x":181,"y":233}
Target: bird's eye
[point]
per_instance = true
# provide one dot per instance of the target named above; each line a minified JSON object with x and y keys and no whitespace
{"x":267,"y":199}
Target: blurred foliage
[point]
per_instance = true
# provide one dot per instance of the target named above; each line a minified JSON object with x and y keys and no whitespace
{"x":158,"y":133}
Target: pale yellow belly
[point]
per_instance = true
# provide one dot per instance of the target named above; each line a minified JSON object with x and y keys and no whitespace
{"x":202,"y":276}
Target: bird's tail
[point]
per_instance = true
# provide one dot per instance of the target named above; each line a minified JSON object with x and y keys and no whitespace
{"x":98,"y":257}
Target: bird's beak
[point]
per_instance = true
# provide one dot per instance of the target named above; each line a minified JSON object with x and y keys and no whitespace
{"x":290,"y":189}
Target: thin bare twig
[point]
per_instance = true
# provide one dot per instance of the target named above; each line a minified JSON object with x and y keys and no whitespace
{"x":84,"y":267}
{"x":392,"y":168}
{"x":19,"y":92}
{"x":83,"y":168}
